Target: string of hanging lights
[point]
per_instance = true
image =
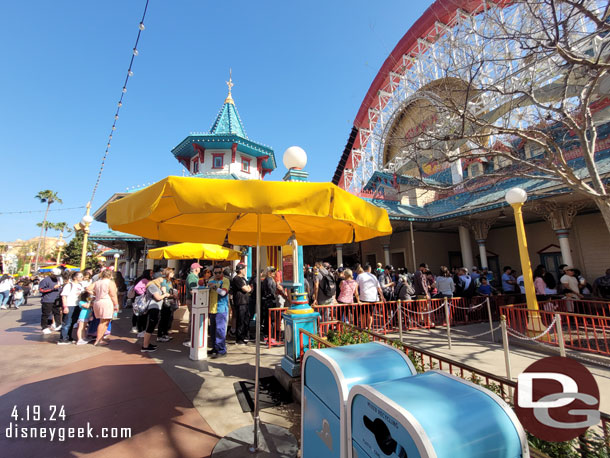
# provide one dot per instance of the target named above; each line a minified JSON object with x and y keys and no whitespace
{"x":129,"y":74}
{"x":41,"y":211}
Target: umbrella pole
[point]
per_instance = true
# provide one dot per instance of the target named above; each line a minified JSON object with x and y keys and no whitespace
{"x":255,"y":445}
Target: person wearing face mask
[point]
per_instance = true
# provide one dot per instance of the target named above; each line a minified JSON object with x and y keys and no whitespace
{"x":49,"y":287}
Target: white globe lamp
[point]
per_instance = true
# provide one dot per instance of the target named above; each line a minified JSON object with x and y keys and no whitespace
{"x":295,"y":158}
{"x":87,"y":219}
{"x":516,"y":196}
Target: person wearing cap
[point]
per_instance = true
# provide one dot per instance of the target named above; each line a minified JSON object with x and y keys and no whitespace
{"x":192,"y":281}
{"x":219,"y":312}
{"x":241,"y":291}
{"x":570,"y":283}
{"x":49,"y":288}
{"x":420,"y":282}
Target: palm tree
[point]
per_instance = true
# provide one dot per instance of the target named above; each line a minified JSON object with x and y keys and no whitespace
{"x":45,"y":226}
{"x":49,"y":197}
{"x":61,"y":227}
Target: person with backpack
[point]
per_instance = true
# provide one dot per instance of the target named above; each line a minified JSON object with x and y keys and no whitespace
{"x":154,"y":300}
{"x":170,"y":304}
{"x":324,"y":286}
{"x":387,"y":282}
{"x":138,"y":322}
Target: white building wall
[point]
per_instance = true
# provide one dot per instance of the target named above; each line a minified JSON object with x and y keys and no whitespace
{"x":208,"y":164}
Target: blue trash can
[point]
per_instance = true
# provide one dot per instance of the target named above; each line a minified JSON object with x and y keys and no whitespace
{"x":434,"y":414}
{"x":328,"y":374}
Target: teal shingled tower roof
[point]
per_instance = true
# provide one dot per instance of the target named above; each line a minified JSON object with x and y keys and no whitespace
{"x":228,"y":120}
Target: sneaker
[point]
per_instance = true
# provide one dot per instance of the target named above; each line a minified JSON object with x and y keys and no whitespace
{"x":219,"y":355}
{"x":187,"y":343}
{"x":64,"y":342}
{"x":241,"y":342}
{"x":82,"y":342}
{"x":212,"y":353}
{"x":134,"y":330}
{"x":164,"y":339}
{"x":47,"y":331}
{"x":56,"y":328}
{"x":141,"y":334}
{"x":3,"y":307}
{"x":148,"y":349}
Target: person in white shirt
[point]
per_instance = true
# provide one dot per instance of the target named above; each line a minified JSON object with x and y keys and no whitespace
{"x":69,"y":300}
{"x":521,"y":283}
{"x":6,"y":285}
{"x":370,"y":290}
{"x":570,"y":287}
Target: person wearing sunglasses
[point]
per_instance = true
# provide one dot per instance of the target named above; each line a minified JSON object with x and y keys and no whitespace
{"x":219,"y":311}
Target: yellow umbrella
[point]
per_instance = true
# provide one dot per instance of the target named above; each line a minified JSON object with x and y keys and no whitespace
{"x":249,"y":212}
{"x":185,"y":209}
{"x":195,"y":251}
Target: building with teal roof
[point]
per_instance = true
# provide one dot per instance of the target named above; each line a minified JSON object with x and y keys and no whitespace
{"x":224,"y":152}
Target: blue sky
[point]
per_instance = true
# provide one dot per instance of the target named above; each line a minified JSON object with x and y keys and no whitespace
{"x":301,"y":70}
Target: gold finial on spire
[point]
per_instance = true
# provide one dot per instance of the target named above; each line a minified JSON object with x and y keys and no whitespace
{"x":230,"y":84}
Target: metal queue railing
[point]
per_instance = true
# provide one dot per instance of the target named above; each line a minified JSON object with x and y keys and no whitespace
{"x":426,"y":360}
{"x":588,"y":333}
{"x":383,"y":317}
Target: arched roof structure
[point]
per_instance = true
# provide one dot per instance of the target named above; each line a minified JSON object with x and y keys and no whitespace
{"x":393,"y":84}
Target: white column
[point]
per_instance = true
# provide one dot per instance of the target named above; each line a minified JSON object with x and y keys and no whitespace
{"x":466,"y":247}
{"x":482,"y":254}
{"x":339,"y":255}
{"x":173,"y":263}
{"x":564,"y":246}
{"x":386,"y":254}
{"x":199,"y":324}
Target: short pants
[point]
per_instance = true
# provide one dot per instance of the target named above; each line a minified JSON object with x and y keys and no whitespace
{"x":85,"y":314}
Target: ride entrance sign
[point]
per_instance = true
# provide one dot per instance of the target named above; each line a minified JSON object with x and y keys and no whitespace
{"x":557,"y":399}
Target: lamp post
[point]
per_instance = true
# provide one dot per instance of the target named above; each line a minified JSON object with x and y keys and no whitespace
{"x":31,"y":255}
{"x":300,"y":315}
{"x":60,"y":245}
{"x":516,"y":197}
{"x":116,"y":261}
{"x":86,"y":221}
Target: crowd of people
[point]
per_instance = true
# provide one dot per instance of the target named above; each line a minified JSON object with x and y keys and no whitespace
{"x":363,"y":284}
{"x":81,"y":305}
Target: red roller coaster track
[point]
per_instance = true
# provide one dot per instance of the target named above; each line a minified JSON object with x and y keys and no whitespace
{"x":441,"y":11}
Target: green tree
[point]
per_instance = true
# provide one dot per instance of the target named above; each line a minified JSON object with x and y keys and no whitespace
{"x":74,"y":249}
{"x":45,"y":197}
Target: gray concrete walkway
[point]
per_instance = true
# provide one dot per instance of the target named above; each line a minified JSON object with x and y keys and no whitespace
{"x":486,"y":355}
